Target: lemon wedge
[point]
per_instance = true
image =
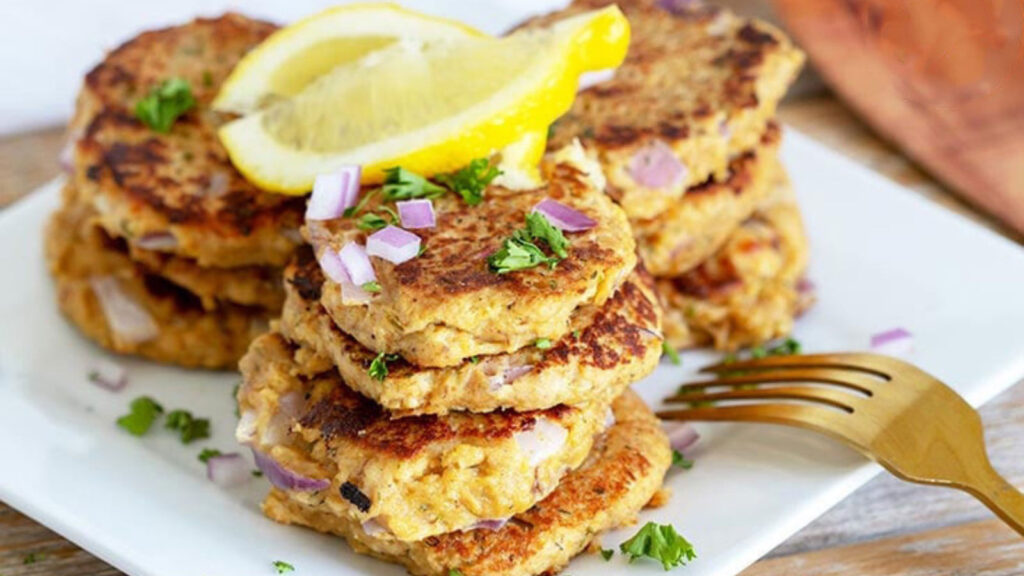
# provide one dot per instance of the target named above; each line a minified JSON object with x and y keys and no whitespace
{"x":429,"y":105}
{"x":286,"y":62}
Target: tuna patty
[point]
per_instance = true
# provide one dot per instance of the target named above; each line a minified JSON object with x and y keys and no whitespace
{"x":692,"y":229}
{"x":748,"y":292}
{"x":621,"y":474}
{"x":609,"y":347}
{"x":698,"y":87}
{"x":408,"y":478}
{"x":446,"y":305}
{"x":96,"y":281}
{"x":178,"y":189}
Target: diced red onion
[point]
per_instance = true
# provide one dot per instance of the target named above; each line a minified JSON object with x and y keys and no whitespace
{"x":109,"y":376}
{"x":493,"y":524}
{"x":681,"y":435}
{"x":392,"y":244}
{"x":319,"y":236}
{"x":284,"y":478}
{"x":332,"y":266}
{"x":678,"y":7}
{"x":218,"y":184}
{"x":357,"y":263}
{"x":160,"y":241}
{"x":609,"y":419}
{"x":656,"y":166}
{"x":564,"y":217}
{"x":333,"y":193}
{"x":127,"y":318}
{"x":508,"y":376}
{"x":542,"y":441}
{"x":228,"y":470}
{"x":895,"y":342}
{"x":588,"y":79}
{"x":374,"y":528}
{"x":245,"y":432}
{"x":417,"y":213}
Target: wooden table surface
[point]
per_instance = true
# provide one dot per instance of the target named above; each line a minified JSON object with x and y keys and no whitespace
{"x":886,"y":528}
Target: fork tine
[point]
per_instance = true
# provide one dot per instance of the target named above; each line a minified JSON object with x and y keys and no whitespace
{"x":842,"y":400}
{"x":816,"y":418}
{"x":845,"y":378}
{"x":869,"y":363}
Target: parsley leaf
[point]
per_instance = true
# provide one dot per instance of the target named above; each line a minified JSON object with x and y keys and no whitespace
{"x":538,"y":226}
{"x":519,"y":251}
{"x":283,"y":567}
{"x":371,"y":221}
{"x":379,"y":366}
{"x":402,"y":184}
{"x":208,"y":453}
{"x":190,"y":428}
{"x":607,"y":553}
{"x":660,"y":542}
{"x":372,"y":287}
{"x":673,"y":356}
{"x":470,"y":181}
{"x":158,"y":110}
{"x":455,"y":572}
{"x":679,"y":460}
{"x":542,"y":343}
{"x":144,"y":411}
{"x":32,"y":558}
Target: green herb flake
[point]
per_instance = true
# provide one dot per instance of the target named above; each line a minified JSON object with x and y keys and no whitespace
{"x":234,"y":396}
{"x":471,"y":181}
{"x":402,"y":184}
{"x":371,"y":221}
{"x":207,"y":78}
{"x":378,"y":369}
{"x":283,"y":567}
{"x":189,"y":427}
{"x":520,"y":252}
{"x":542,"y":343}
{"x":607,"y":553}
{"x":257,"y":473}
{"x":541,"y":229}
{"x":681,"y":461}
{"x":32,"y":558}
{"x":576,"y":334}
{"x":673,"y":356}
{"x":164,"y":104}
{"x":474,"y":359}
{"x":455,"y":572}
{"x":208,"y":453}
{"x":372,"y":287}
{"x":660,"y":542}
{"x":143,"y":412}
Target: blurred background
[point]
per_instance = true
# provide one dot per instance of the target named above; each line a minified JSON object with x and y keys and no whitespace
{"x":940,"y":80}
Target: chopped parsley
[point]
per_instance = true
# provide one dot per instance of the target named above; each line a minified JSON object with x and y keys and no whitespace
{"x":455,"y":572}
{"x":32,"y":558}
{"x":143,"y":412}
{"x":234,"y":395}
{"x":189,"y":427}
{"x":372,"y":287}
{"x":470,"y":181}
{"x":207,"y":78}
{"x":164,"y":104}
{"x":402,"y":184}
{"x":607,"y":553}
{"x":520,"y":252}
{"x":283,"y":567}
{"x":378,"y":369}
{"x":681,"y":461}
{"x":371,"y":221}
{"x":576,"y":334}
{"x":474,"y":359}
{"x":257,"y":473}
{"x":542,"y":343}
{"x":208,"y":453}
{"x":660,"y":542}
{"x":673,"y":356}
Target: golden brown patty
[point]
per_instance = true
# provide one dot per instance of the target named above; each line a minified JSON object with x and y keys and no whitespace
{"x":82,"y":257}
{"x":610,"y":347}
{"x":621,"y":474}
{"x":695,"y":226}
{"x":446,"y":305}
{"x":748,"y":292}
{"x":412,"y":477}
{"x":179,"y":187}
{"x":697,"y":80}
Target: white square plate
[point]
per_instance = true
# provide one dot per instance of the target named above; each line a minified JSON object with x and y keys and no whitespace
{"x":881,"y":258}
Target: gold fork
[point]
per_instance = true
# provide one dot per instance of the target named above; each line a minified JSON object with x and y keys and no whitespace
{"x":892,"y":412}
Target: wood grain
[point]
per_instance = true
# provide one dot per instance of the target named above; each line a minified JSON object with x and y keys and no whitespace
{"x":888,"y":527}
{"x":943,"y":78}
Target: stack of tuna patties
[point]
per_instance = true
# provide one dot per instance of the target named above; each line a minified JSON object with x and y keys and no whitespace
{"x":459,"y":410}
{"x":160,"y":248}
{"x":686,"y":136}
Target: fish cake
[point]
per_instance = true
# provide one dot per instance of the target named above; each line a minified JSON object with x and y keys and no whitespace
{"x":446,"y":305}
{"x":609,"y":347}
{"x":695,"y":227}
{"x":408,"y":478}
{"x":621,"y":475}
{"x":177,"y":189}
{"x":86,"y":262}
{"x":698,"y":87}
{"x":750,"y":291}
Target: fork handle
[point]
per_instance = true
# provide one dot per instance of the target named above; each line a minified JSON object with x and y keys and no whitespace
{"x":1000,"y":496}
